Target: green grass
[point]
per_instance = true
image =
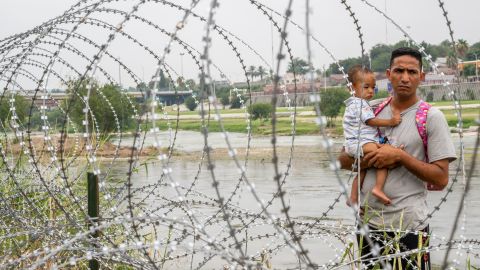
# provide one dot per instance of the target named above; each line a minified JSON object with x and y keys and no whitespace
{"x":450,"y":102}
{"x":283,"y":127}
{"x":305,"y":124}
{"x":468,"y":117}
{"x":172,"y":111}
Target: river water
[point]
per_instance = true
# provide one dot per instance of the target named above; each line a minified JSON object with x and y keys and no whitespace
{"x":311,"y":188}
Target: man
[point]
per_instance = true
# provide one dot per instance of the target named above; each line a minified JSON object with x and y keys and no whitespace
{"x":406,"y":182}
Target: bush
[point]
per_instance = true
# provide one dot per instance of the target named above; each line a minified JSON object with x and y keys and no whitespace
{"x":99,"y":106}
{"x":429,"y":97}
{"x":237,"y":102}
{"x":21,"y":108}
{"x":191,"y":103}
{"x":260,"y":111}
{"x":331,"y":103}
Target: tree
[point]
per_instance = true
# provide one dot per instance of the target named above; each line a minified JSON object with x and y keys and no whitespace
{"x":225,"y":100}
{"x":474,"y":49}
{"x":462,"y":48}
{"x":261,"y":72}
{"x":451,"y":61}
{"x":381,"y":62}
{"x":468,"y":70}
{"x":298,"y":66}
{"x":101,"y":105}
{"x":260,"y":111}
{"x":380,"y":49}
{"x":252,"y":72}
{"x":331,"y":102}
{"x":21,"y":108}
{"x":237,"y":102}
{"x":346,"y":64}
{"x":191,"y":103}
{"x":191,"y":84}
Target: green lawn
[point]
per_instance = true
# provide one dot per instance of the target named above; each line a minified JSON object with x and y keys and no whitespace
{"x":172,"y":111}
{"x":449,"y":102}
{"x":305,"y":124}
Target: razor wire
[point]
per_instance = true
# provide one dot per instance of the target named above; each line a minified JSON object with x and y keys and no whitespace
{"x":172,"y":221}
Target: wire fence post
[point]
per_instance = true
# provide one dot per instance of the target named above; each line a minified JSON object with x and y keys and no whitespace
{"x":93,"y":211}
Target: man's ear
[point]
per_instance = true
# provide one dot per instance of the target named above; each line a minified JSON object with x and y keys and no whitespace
{"x":387,"y":72}
{"x":422,"y":76}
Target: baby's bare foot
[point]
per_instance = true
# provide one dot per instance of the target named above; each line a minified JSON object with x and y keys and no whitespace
{"x":381,"y":196}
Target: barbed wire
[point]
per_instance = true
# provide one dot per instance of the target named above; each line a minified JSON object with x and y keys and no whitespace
{"x":162,"y":208}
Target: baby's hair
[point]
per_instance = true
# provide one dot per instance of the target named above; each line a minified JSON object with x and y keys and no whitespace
{"x":355,"y":70}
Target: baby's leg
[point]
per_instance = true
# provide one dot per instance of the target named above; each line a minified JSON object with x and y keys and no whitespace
{"x":354,"y":191}
{"x":381,"y":176}
{"x":378,"y":188}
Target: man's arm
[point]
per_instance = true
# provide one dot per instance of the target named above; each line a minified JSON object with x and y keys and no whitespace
{"x":434,"y":173}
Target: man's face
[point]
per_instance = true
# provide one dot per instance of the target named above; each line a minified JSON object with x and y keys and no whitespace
{"x":405,"y":75}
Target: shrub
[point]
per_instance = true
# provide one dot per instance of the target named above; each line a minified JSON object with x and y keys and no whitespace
{"x":237,"y":102}
{"x":191,"y":103}
{"x":260,"y":111}
{"x":429,"y":97}
{"x":331,"y":103}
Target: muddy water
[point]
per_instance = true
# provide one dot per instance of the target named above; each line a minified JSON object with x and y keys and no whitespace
{"x":311,"y":188}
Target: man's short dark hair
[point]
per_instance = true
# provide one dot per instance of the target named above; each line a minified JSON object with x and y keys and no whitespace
{"x":406,"y":51}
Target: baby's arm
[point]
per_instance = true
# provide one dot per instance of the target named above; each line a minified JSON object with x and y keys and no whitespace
{"x":377,"y":122}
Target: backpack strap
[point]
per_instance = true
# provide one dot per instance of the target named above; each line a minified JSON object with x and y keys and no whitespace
{"x":376,"y":112}
{"x":382,"y":105}
{"x":421,"y":122}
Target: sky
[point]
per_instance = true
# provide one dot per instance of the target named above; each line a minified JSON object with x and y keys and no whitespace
{"x":329,"y":23}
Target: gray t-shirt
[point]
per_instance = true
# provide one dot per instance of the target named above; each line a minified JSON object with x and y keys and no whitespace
{"x":407,"y":192}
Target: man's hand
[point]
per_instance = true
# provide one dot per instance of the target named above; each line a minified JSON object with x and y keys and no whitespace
{"x":386,"y":156}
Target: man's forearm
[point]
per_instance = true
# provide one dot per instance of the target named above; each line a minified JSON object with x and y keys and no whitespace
{"x":387,"y":155}
{"x":434,"y":173}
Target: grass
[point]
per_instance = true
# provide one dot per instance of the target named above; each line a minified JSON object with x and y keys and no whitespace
{"x":305,"y":125}
{"x":450,"y":102}
{"x":468,"y":117}
{"x":172,"y":110}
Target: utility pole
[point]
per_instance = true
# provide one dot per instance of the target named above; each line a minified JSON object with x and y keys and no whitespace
{"x":476,"y":66}
{"x":181,"y":63}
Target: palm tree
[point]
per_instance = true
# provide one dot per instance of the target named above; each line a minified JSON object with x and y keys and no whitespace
{"x":298,"y":65}
{"x":451,"y":61}
{"x":252,"y":72}
{"x":462,"y":48}
{"x":261,"y":72}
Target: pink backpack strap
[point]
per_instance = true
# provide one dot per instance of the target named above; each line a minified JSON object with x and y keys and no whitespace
{"x":421,"y":121}
{"x":382,"y":105}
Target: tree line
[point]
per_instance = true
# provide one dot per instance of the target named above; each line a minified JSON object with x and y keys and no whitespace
{"x":378,"y":58}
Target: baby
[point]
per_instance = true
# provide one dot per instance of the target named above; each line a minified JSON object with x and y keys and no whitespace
{"x":358,"y":111}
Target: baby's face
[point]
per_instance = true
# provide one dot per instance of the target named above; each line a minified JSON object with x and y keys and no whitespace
{"x":364,"y":85}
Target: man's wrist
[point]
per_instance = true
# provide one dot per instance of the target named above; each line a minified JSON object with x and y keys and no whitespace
{"x":399,"y":155}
